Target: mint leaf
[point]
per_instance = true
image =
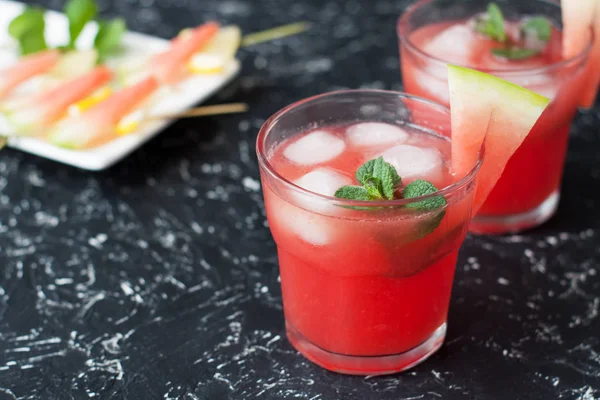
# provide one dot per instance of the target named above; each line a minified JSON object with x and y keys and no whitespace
{"x":32,"y":42}
{"x":28,"y":29}
{"x":381,"y":170}
{"x":423,"y":188}
{"x":378,"y":178}
{"x":388,"y":177}
{"x":514,"y":53}
{"x":373,"y":188}
{"x":79,"y":13}
{"x":109,"y":36}
{"x":540,"y":26}
{"x":420,"y":188}
{"x":352,"y":193}
{"x":492,"y":24}
{"x":365,"y":171}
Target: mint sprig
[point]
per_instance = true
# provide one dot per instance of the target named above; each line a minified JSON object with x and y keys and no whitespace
{"x":378,"y":179}
{"x":514,"y":53}
{"x":420,"y":188}
{"x":28,"y":28}
{"x":491,"y":25}
{"x":79,"y":13}
{"x":539,"y":26}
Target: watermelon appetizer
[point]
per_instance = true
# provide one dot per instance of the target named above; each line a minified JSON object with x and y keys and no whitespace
{"x":81,"y":98}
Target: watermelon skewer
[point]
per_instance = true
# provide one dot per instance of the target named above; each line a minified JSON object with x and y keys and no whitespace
{"x":26,"y":68}
{"x":98,"y":124}
{"x":502,"y":116}
{"x":31,"y":115}
{"x":167,"y":67}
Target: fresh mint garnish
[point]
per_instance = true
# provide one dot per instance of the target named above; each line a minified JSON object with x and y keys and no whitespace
{"x":385,"y":175}
{"x":79,"y":13}
{"x":492,"y":24}
{"x":420,"y":188}
{"x":109,"y":36}
{"x":540,"y":26}
{"x":423,"y":188}
{"x":378,"y":178}
{"x":352,"y":193}
{"x":514,"y":53}
{"x":379,"y":181}
{"x":28,"y":30}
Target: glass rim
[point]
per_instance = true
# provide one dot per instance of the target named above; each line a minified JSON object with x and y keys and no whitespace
{"x":403,"y":36}
{"x":268,"y":167}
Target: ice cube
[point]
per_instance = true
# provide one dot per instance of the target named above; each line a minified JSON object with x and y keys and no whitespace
{"x":315,"y":148}
{"x":305,"y":218}
{"x":323,"y":181}
{"x":455,"y":44}
{"x":434,"y":83}
{"x":412,"y":162}
{"x":310,"y":227}
{"x":375,"y":134}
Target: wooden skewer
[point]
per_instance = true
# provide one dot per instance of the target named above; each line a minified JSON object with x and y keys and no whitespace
{"x":203,"y":111}
{"x":274,"y":33}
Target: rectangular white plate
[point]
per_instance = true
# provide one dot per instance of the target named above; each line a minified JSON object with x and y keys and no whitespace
{"x":178,"y":98}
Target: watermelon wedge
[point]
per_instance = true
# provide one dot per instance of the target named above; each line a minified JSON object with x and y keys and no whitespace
{"x":577,"y":16}
{"x":98,"y":124}
{"x":32,"y":114}
{"x":487,"y":109}
{"x":27,"y":67}
{"x":593,"y":67}
{"x":168,"y":66}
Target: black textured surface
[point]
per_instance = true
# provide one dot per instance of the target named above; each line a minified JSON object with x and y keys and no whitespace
{"x":157,"y":279}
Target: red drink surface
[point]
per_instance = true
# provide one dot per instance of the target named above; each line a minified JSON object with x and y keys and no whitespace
{"x":534,"y":172}
{"x":373,"y":284}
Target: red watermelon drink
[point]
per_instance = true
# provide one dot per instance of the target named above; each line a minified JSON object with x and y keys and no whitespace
{"x":368,"y":212}
{"x":521,"y":41}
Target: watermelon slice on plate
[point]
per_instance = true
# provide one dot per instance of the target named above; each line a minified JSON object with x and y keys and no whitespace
{"x":486,"y":108}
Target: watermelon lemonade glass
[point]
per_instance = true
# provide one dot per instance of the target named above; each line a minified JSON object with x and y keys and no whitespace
{"x":530,"y":54}
{"x":366,"y":284}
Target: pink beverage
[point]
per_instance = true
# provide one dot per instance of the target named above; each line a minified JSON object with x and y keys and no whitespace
{"x":366,"y":284}
{"x":434,"y":33}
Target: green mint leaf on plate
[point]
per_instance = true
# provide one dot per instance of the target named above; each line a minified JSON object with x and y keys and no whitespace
{"x":79,"y":13}
{"x":540,"y":26}
{"x":28,"y":29}
{"x":109,"y":36}
{"x":514,"y":53}
{"x":420,"y":188}
{"x":32,"y":42}
{"x":352,"y":193}
{"x":492,"y":24}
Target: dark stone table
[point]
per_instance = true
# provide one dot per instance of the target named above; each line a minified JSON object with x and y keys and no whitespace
{"x":157,"y":279}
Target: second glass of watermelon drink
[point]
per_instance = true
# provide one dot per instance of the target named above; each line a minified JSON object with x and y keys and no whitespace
{"x":366,"y":284}
{"x":529,"y":53}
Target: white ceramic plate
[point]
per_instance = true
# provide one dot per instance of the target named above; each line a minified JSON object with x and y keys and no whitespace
{"x":174,"y":99}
